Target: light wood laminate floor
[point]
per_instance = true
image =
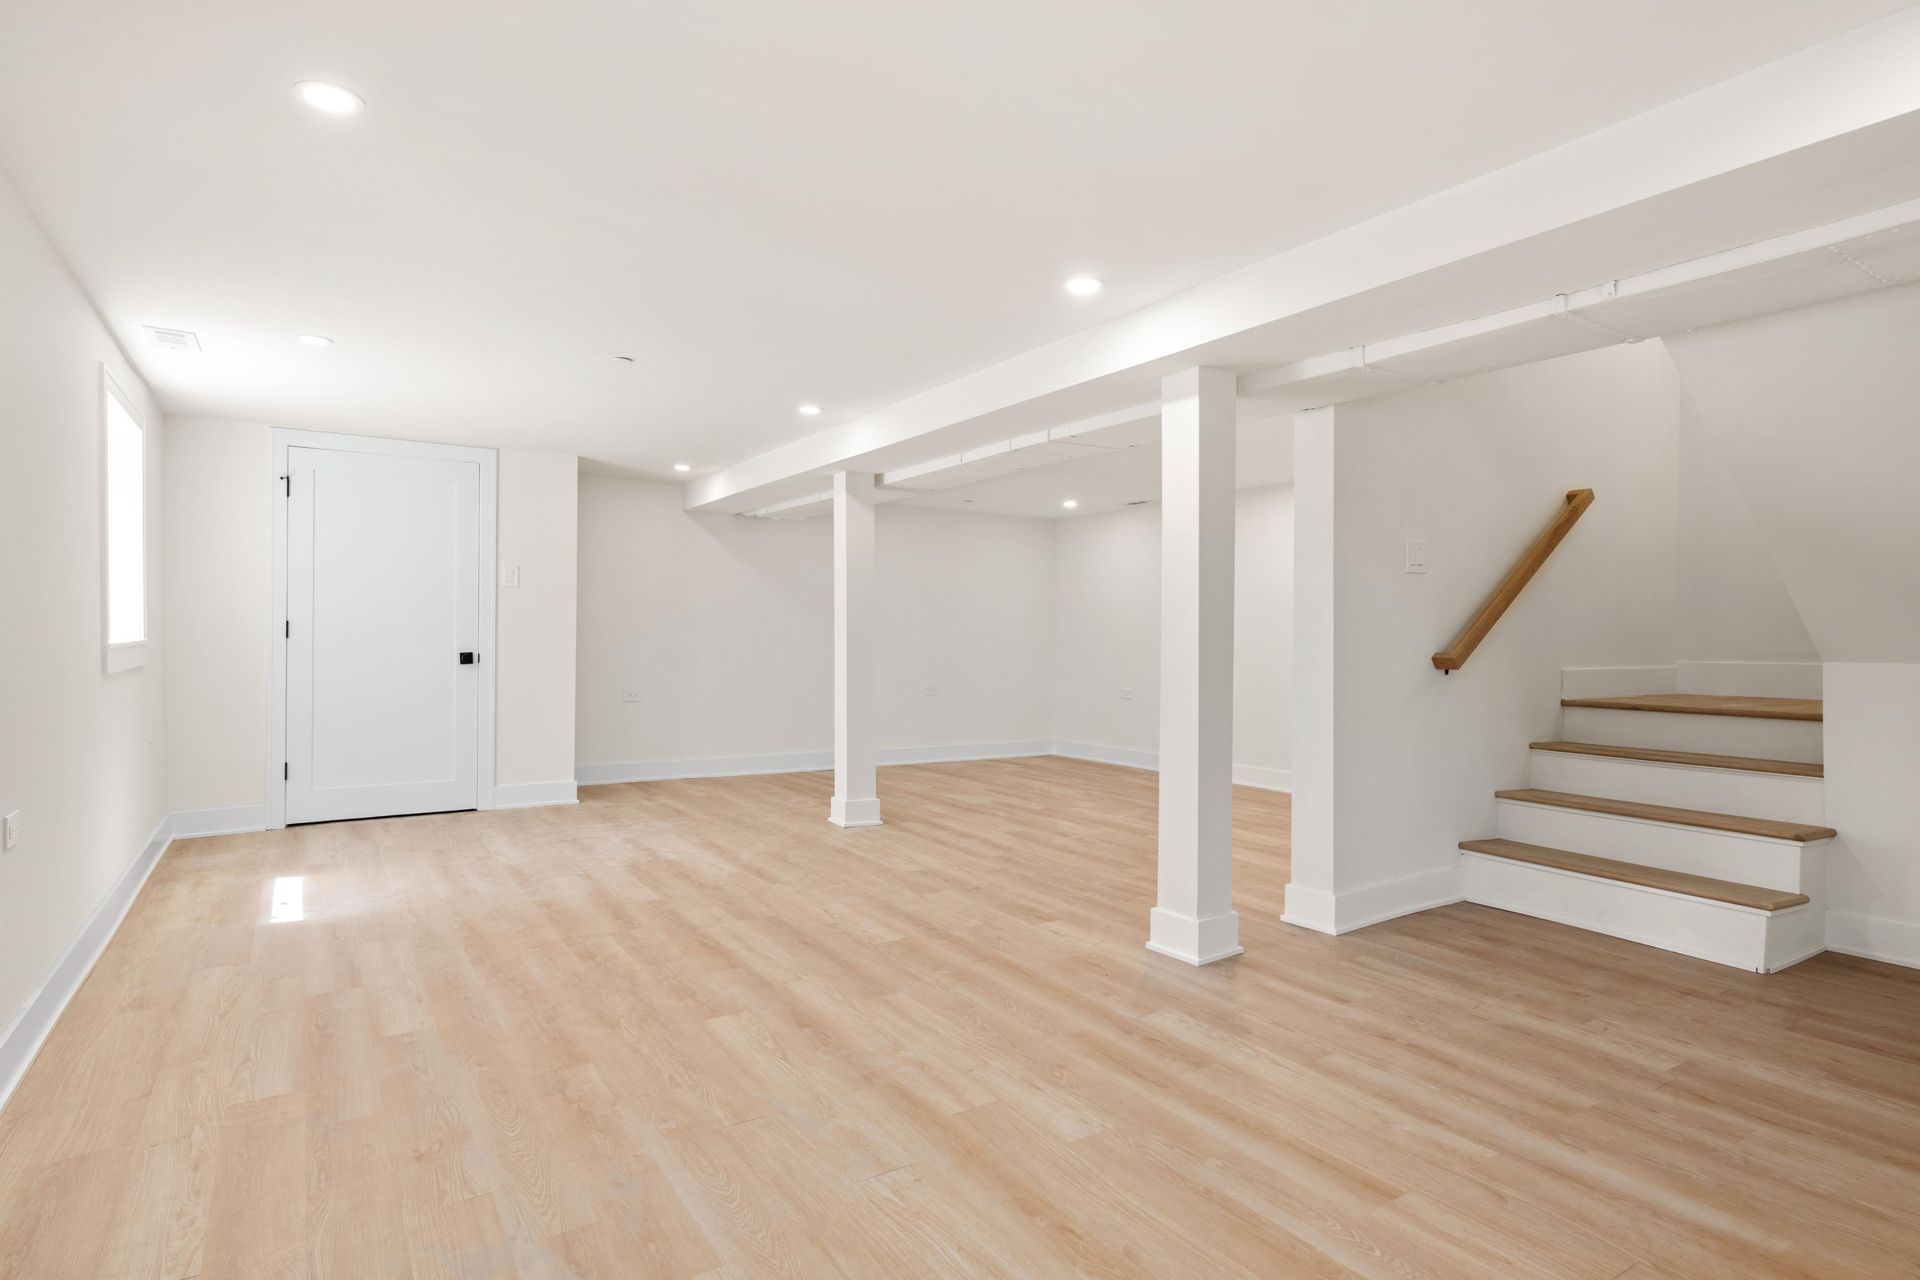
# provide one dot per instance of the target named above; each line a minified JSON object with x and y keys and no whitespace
{"x":690,"y":1029}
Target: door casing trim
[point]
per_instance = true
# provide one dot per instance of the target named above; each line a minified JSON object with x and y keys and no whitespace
{"x":488,"y":461}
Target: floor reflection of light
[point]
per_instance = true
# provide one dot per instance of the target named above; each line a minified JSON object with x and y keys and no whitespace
{"x":289,"y":899}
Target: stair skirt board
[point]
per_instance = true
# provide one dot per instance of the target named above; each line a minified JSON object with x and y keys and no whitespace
{"x":1785,"y":797}
{"x":1678,"y":731}
{"x":1722,"y":855}
{"x":1742,"y":937}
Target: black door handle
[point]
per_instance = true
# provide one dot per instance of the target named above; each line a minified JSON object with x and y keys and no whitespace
{"x":467,"y":658}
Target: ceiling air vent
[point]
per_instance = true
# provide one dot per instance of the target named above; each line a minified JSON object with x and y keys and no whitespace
{"x":174,"y":339}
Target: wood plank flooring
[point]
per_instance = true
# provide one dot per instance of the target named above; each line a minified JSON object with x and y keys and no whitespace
{"x":690,"y":1029}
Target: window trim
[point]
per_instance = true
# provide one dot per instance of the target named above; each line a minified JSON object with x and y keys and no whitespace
{"x":128,"y":654}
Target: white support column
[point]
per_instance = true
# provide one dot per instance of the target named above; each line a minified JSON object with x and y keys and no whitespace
{"x":1194,"y":920}
{"x":1311,"y":895}
{"x":856,"y":799}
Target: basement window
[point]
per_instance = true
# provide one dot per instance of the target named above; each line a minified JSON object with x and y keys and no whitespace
{"x":124,"y":528}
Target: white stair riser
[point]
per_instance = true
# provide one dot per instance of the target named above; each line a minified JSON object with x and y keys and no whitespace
{"x":1754,"y":795}
{"x":1757,"y":940}
{"x":1716,"y":735}
{"x":1771,"y":864}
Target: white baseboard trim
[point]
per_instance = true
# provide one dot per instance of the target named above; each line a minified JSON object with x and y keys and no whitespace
{"x":1244,"y":775}
{"x":964,"y":751}
{"x":1326,"y":912}
{"x":1255,"y":775}
{"x":1874,"y":937}
{"x":529,"y":795}
{"x":230,"y":820}
{"x":1126,"y":757}
{"x":594,"y":775}
{"x":22,"y":1041}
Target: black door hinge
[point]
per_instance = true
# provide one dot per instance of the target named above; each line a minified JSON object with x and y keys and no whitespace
{"x":289,"y":631}
{"x":287,"y":480}
{"x":285,"y":771}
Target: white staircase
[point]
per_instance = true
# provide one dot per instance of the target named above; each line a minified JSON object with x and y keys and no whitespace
{"x":1690,"y":822}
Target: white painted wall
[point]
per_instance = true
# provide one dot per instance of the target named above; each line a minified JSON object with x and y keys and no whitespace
{"x":218,"y":626}
{"x":723,"y":625}
{"x":218,"y":551}
{"x":1733,"y":603}
{"x":1395,"y":763}
{"x":1812,"y":413}
{"x":81,"y":753}
{"x":1107,"y":616}
{"x":534,"y":682}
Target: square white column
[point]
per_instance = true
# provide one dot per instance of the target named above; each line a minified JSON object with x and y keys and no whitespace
{"x":1194,"y":920}
{"x":856,"y":798}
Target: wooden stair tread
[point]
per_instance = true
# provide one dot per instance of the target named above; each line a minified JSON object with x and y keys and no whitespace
{"x":1586,"y":864}
{"x":1700,"y":759}
{"x":1706,"y":704}
{"x":1768,"y":828}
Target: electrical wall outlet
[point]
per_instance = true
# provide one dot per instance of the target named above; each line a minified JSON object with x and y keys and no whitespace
{"x":10,"y":831}
{"x":632,"y":695}
{"x":1126,"y":695}
{"x":933,"y":691}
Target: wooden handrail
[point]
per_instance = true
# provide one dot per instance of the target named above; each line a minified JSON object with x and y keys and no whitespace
{"x":1455,"y":655}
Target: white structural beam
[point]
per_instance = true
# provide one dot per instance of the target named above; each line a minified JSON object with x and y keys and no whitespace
{"x":856,"y":798}
{"x":1759,"y":136}
{"x":1194,"y":919}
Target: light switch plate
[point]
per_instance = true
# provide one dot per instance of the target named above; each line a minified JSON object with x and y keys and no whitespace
{"x":513,"y":575}
{"x":1416,"y":555}
{"x":10,"y":830}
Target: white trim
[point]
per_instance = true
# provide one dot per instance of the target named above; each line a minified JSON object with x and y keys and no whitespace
{"x":1256,"y":775}
{"x":488,"y":462}
{"x":597,"y":775}
{"x":1244,"y":775}
{"x":1874,"y":937}
{"x":22,"y":1041}
{"x":190,"y":824}
{"x":124,"y":657}
{"x":532,"y":795}
{"x":857,"y":811}
{"x":1337,"y":913}
{"x":1126,"y":757}
{"x":1191,"y":940}
{"x":962,"y":751}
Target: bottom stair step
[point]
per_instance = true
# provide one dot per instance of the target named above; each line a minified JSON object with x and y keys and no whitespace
{"x":1746,"y":926}
{"x":1739,"y":895}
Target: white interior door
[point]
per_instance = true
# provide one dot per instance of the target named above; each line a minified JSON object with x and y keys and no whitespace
{"x":383,"y":634}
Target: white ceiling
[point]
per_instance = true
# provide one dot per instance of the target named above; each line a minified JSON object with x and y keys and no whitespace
{"x":763,"y":203}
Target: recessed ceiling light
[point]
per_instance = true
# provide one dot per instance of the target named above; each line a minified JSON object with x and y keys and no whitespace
{"x":315,"y":340}
{"x":1070,"y":504}
{"x":1083,"y":286}
{"x":330,"y":98}
{"x":809,"y":410}
{"x":683,"y":466}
